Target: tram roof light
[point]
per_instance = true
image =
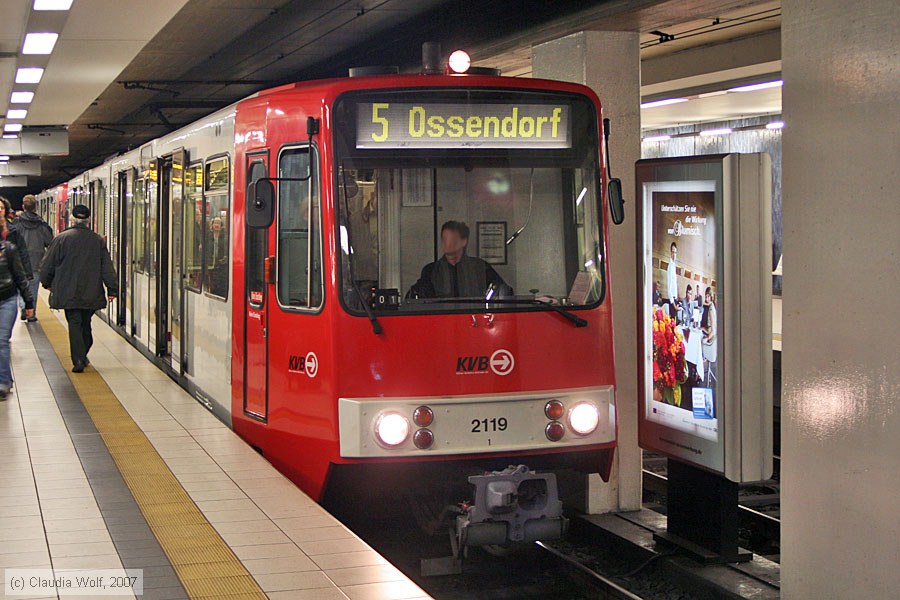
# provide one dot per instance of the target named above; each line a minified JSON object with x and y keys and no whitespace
{"x":12,"y":127}
{"x":52,"y":4}
{"x":39,"y":43}
{"x":29,"y":75}
{"x":16,"y":113}
{"x":9,"y":136}
{"x":459,"y":61}
{"x":664,"y":102}
{"x":21,"y":97}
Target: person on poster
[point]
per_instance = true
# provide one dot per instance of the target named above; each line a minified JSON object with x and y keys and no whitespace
{"x":708,"y":327}
{"x":671,"y":279}
{"x":686,"y":308}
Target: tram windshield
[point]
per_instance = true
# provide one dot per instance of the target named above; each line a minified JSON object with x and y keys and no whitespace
{"x":468,"y":202}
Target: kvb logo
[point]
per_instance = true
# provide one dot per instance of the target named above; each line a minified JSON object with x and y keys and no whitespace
{"x":501,"y":362}
{"x":308,"y":365}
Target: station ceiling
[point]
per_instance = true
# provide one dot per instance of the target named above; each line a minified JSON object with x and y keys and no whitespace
{"x":125,"y":72}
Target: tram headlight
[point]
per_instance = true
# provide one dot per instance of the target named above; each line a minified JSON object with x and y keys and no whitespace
{"x":391,"y":429}
{"x":584,"y":418}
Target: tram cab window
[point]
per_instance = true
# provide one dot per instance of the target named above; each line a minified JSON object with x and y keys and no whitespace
{"x":217,"y":228}
{"x":299,"y":231}
{"x":530,"y":230}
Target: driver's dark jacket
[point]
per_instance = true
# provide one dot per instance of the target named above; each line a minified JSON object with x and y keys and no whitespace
{"x":468,"y":278}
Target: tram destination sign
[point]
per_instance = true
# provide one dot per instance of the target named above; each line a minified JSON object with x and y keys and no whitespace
{"x":387,"y":125}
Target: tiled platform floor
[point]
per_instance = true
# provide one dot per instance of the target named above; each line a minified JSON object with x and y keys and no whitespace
{"x":50,"y":512}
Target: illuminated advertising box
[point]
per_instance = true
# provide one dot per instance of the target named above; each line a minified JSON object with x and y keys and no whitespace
{"x":705,"y":312}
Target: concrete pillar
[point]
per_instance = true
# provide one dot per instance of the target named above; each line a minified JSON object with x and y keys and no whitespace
{"x":609,"y":63}
{"x":841,"y":362}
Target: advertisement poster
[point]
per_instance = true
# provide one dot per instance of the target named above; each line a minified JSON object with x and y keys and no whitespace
{"x":683,"y":312}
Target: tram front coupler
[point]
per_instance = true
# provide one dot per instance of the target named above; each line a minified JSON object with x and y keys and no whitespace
{"x":515,"y":506}
{"x":512,"y":506}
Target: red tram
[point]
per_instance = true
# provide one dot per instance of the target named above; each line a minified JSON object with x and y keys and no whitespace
{"x":301,"y":323}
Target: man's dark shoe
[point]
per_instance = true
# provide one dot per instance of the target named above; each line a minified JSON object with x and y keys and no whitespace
{"x":22,"y":316}
{"x":79,"y":367}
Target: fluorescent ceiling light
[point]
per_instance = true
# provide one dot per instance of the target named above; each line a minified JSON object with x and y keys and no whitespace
{"x":657,"y":138}
{"x":665,"y":102}
{"x":39,"y":43}
{"x":4,"y":158}
{"x":711,"y":94}
{"x":16,"y":113}
{"x":12,"y":127}
{"x":52,"y":4}
{"x":723,"y":131}
{"x":29,"y":75}
{"x":757,"y":86}
{"x":21,"y":97}
{"x":775,"y":125}
{"x":9,"y":136}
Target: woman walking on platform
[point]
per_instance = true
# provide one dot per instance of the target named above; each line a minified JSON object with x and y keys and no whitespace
{"x":13,"y":281}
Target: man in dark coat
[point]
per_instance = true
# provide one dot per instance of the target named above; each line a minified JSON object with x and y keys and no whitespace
{"x":75,"y":269}
{"x":456,"y":274}
{"x":37,"y":235}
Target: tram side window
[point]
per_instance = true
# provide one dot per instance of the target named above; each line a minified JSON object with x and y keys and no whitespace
{"x":299,"y":235}
{"x":216,"y":231}
{"x":193,"y":228}
{"x":138,"y":252}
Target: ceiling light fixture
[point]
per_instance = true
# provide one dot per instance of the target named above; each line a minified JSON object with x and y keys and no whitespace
{"x":12,"y":127}
{"x":722,"y":131}
{"x":16,"y":113}
{"x":757,"y":86}
{"x":665,"y":102}
{"x":21,"y":97}
{"x":52,"y":4}
{"x":29,"y":75}
{"x":9,"y":136}
{"x":775,"y":125}
{"x":712,"y":94}
{"x":39,"y":43}
{"x":657,"y":138}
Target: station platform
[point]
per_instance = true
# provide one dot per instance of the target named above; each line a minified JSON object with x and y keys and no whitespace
{"x":118,"y":468}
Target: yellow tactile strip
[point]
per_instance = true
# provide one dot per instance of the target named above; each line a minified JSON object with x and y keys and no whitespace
{"x":205,"y":564}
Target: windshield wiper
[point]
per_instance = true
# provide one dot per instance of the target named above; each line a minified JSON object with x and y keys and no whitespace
{"x":576,"y":320}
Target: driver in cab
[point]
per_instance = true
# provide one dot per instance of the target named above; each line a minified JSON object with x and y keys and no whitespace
{"x":456,"y":274}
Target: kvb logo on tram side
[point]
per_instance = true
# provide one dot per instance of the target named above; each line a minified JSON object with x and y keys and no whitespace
{"x":501,"y":362}
{"x":308,"y":365}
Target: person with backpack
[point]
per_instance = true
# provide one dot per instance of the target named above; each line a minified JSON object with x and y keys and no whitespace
{"x":37,"y":235}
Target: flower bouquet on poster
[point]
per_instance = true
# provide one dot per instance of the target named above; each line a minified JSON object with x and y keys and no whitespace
{"x":669,"y":369}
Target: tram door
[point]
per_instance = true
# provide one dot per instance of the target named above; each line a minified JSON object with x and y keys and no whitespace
{"x":255,"y":305}
{"x":159,"y":276}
